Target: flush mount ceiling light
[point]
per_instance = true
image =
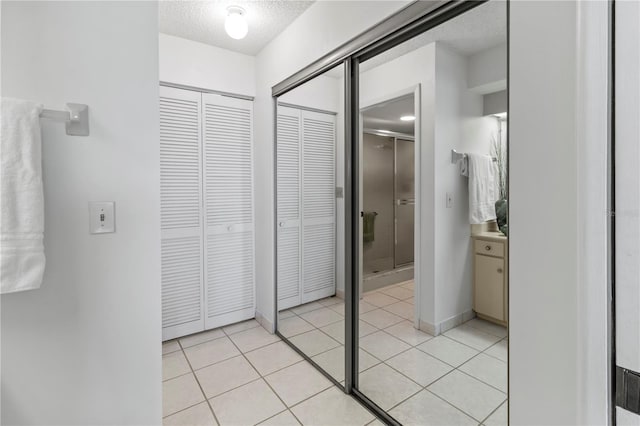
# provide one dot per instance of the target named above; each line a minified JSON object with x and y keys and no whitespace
{"x":408,"y":118}
{"x":236,"y":24}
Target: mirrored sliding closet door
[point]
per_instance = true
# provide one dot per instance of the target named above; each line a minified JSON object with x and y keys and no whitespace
{"x":433,"y":287}
{"x":309,"y":212}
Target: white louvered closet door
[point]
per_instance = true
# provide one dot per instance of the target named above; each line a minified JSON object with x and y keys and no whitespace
{"x":318,"y":205}
{"x":228,"y":209}
{"x":180,"y":207}
{"x":288,"y":207}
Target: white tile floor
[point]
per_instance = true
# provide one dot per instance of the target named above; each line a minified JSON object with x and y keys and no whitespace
{"x":242,"y":375}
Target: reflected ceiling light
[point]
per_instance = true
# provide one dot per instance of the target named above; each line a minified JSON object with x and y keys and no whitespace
{"x":500,"y":115}
{"x":384,"y":131}
{"x":236,"y":24}
{"x":408,"y":118}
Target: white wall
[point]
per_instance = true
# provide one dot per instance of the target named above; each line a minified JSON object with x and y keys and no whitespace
{"x":305,"y":40}
{"x":200,"y":65}
{"x":319,"y":93}
{"x":543,"y":214}
{"x":459,"y":125}
{"x":488,"y":70}
{"x":85,"y":348}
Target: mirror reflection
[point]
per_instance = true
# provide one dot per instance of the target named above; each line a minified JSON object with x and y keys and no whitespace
{"x":310,"y":211}
{"x":434,"y":246}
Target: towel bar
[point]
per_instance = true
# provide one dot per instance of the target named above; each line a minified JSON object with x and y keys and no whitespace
{"x":76,"y":118}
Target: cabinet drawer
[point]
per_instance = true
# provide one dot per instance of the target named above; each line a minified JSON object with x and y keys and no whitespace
{"x":490,"y":248}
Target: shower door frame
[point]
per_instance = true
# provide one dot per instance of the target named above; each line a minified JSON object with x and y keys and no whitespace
{"x":409,"y":22}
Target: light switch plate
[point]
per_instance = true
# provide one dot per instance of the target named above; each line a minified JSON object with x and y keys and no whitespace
{"x":102,"y":219}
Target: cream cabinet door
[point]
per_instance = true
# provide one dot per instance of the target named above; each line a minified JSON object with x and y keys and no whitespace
{"x":489,"y":286}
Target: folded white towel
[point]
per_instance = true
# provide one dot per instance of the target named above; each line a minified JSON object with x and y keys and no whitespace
{"x":21,"y":197}
{"x":483,"y":188}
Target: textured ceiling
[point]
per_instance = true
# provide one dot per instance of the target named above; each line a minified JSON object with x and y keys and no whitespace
{"x":474,"y":31}
{"x":386,"y":116}
{"x":203,"y":21}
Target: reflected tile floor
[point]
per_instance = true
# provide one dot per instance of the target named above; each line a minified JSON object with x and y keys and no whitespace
{"x":241,"y":374}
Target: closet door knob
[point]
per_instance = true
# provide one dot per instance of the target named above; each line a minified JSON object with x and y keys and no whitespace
{"x":487,"y":248}
{"x":281,"y":224}
{"x":230,"y":228}
{"x":499,"y":270}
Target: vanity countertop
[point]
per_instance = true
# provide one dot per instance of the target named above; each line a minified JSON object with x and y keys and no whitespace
{"x":490,"y":235}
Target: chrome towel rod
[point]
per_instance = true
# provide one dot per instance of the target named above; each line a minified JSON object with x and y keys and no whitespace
{"x":457,"y":156}
{"x":76,"y":118}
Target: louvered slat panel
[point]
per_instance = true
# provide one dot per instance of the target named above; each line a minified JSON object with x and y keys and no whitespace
{"x":227,"y":151}
{"x":181,"y":281}
{"x":229,"y":273}
{"x":228,"y":192}
{"x":180,"y":204}
{"x":288,"y":167}
{"x":319,"y":257}
{"x":318,"y":167}
{"x":179,"y":161}
{"x":288,"y":263}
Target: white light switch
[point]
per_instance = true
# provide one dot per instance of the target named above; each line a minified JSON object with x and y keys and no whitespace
{"x":102,"y":218}
{"x":449,"y":200}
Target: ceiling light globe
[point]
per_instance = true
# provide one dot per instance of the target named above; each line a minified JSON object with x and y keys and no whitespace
{"x":235,"y":25}
{"x":408,"y":118}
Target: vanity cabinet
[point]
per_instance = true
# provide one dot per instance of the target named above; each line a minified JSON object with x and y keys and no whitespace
{"x":490,"y":278}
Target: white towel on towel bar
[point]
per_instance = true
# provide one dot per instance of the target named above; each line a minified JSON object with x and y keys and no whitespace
{"x":483,"y":188}
{"x":21,"y":197}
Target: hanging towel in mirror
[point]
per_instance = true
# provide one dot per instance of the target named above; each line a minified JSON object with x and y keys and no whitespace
{"x":483,"y":188}
{"x":21,"y":197}
{"x":369,"y":227}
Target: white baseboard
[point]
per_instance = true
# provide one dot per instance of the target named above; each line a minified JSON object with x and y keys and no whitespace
{"x":448,"y":324}
{"x":264,"y":322}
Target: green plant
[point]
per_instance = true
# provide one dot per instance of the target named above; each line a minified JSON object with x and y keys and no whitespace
{"x":498,"y":151}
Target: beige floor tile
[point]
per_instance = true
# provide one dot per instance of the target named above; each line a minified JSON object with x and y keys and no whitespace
{"x":381,"y":318}
{"x":321,"y":317}
{"x":180,"y":393}
{"x":448,"y":350}
{"x":332,"y":407}
{"x":490,"y":370}
{"x":241,"y":326}
{"x":470,"y":395}
{"x":313,"y":342}
{"x":336,"y":330}
{"x":376,"y":422}
{"x":173,"y":365}
{"x":333,"y":362}
{"x":499,"y":351}
{"x":205,"y":336}
{"x":408,"y":285}
{"x":426,"y":409}
{"x":379,"y":299}
{"x":402,"y":309}
{"x":226,"y":375}
{"x":273,"y":357}
{"x":410,"y":300}
{"x":419,"y":367}
{"x":472,"y":337}
{"x":498,"y":417}
{"x":329,"y":301}
{"x":297,"y":382}
{"x":247,"y":405}
{"x":382,"y":345}
{"x":398,"y":292}
{"x":198,"y":415}
{"x":406,"y":332}
{"x":292,"y":326}
{"x":170,"y":346}
{"x":385,"y":386}
{"x":366,"y":307}
{"x":253,"y":338}
{"x":488,"y":327}
{"x":287,"y":313}
{"x":338,"y":308}
{"x":307,"y":307}
{"x":210,"y":352}
{"x":283,"y":419}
